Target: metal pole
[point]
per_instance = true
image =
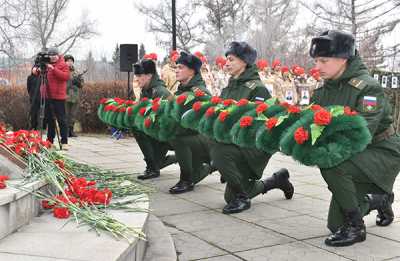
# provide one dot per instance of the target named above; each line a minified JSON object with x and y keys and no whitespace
{"x":129,"y":89}
{"x":173,"y":25}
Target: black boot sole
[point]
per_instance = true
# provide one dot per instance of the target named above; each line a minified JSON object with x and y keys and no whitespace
{"x":345,"y":243}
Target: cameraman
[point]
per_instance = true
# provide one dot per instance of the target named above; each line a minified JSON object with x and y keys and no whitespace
{"x":58,"y":74}
{"x":74,"y":85}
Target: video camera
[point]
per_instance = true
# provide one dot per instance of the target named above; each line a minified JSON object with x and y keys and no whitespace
{"x":41,"y":60}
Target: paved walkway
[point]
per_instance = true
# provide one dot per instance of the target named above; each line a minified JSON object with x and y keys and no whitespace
{"x":273,"y":229}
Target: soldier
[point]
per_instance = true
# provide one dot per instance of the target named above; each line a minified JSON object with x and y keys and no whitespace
{"x":190,"y":148}
{"x":154,"y":151}
{"x":365,"y":181}
{"x":242,"y":168}
{"x":74,"y":85}
{"x":168,"y":74}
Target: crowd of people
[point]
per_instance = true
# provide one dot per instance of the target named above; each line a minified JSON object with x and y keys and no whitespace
{"x":358,"y":185}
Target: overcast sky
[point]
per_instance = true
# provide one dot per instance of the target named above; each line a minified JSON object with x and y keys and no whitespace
{"x":117,"y":22}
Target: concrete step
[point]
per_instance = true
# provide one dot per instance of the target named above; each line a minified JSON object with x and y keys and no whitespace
{"x":18,"y":207}
{"x":160,"y":245}
{"x":48,"y":238}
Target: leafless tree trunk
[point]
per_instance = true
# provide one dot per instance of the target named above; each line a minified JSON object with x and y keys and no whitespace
{"x":46,"y":18}
{"x":160,"y":23}
{"x":368,"y":20}
{"x":13,"y":17}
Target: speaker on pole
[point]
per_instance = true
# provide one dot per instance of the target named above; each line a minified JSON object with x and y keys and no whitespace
{"x":128,"y":55}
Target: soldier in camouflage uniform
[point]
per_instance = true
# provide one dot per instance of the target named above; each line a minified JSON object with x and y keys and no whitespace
{"x":242,"y":168}
{"x":365,"y":181}
{"x":74,"y":86}
{"x":191,"y":149}
{"x":154,"y":151}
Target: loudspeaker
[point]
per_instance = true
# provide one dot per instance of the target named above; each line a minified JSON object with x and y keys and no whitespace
{"x":128,"y":55}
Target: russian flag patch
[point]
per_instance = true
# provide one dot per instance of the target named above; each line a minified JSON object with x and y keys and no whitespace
{"x":369,"y":103}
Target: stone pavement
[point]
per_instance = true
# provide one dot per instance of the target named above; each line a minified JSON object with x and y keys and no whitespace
{"x":273,"y":229}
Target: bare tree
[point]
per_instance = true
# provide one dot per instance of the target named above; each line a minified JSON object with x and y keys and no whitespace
{"x":226,"y":21}
{"x":160,"y":23}
{"x":13,"y":18}
{"x":369,"y":21}
{"x":46,"y":20}
{"x":274,"y":20}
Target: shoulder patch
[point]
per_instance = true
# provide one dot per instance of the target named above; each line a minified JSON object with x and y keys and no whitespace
{"x":357,"y":83}
{"x":251,"y":84}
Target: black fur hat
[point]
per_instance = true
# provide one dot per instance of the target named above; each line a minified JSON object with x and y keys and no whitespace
{"x":243,"y":51}
{"x":145,"y":67}
{"x":333,"y":43}
{"x":189,"y":60}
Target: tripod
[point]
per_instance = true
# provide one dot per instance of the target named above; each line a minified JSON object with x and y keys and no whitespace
{"x":43,"y":95}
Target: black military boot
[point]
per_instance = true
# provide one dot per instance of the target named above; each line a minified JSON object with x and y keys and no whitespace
{"x":238,"y":204}
{"x":383,"y":204}
{"x":168,"y":160}
{"x":280,"y":180}
{"x":181,"y":187}
{"x":149,"y":173}
{"x":353,"y":230}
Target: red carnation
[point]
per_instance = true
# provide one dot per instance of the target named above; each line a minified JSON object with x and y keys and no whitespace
{"x":246,"y":121}
{"x":210,"y":111}
{"x":199,"y":93}
{"x":322,"y":117}
{"x":61,"y":212}
{"x":316,"y":107}
{"x":123,"y":109}
{"x":155,"y":107}
{"x":2,"y":185}
{"x":271,"y":122}
{"x":147,"y":122}
{"x":142,"y":111}
{"x":261,"y":108}
{"x":197,"y":106}
{"x":156,"y":100}
{"x":275,"y":63}
{"x":228,"y":102}
{"x":108,"y":108}
{"x":349,"y":112}
{"x":103,"y":100}
{"x":223,"y":115}
{"x":285,"y":104}
{"x":144,"y":99}
{"x":300,"y":135}
{"x":293,"y":109}
{"x":242,"y":102}
{"x":129,"y":110}
{"x":220,"y":61}
{"x":284,"y":69}
{"x":181,"y":99}
{"x":262,"y":64}
{"x":4,"y":178}
{"x":47,"y":205}
{"x":215,"y":100}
